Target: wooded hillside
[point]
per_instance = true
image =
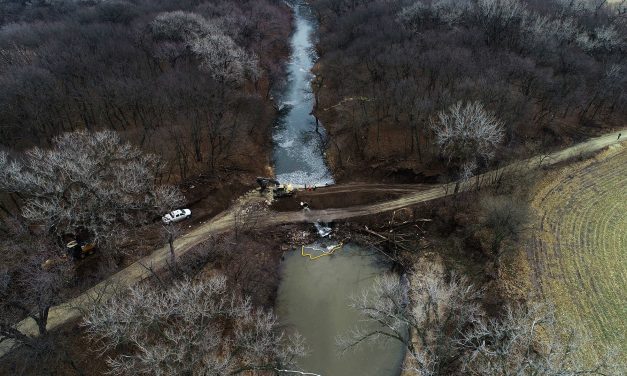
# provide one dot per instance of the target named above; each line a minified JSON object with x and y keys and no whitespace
{"x":189,"y":80}
{"x":552,"y":71}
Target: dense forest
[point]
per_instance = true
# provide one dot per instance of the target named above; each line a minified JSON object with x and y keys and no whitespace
{"x":188,"y":80}
{"x":107,"y":110}
{"x":115,"y":103}
{"x":118,"y":118}
{"x":550,"y":71}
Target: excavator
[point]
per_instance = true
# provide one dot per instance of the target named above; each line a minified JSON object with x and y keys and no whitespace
{"x":76,"y":249}
{"x":278,"y":190}
{"x":79,"y":249}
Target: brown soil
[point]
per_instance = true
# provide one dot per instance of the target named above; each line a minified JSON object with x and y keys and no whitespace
{"x":206,"y":198}
{"x":319,"y":200}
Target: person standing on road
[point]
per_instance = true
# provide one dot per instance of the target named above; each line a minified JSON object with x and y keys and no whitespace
{"x":619,"y":136}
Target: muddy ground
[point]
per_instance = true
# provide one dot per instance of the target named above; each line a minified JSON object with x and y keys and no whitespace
{"x":320,"y":200}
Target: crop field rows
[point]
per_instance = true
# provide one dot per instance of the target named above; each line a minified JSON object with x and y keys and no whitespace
{"x":580,"y":248}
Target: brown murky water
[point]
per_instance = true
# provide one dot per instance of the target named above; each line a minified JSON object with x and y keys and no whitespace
{"x":313,"y":299}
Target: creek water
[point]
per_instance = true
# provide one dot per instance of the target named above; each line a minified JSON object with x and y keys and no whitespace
{"x":313,"y":297}
{"x":298,"y":155}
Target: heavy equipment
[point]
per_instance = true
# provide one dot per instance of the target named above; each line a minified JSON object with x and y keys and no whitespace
{"x":279,"y":190}
{"x":78,"y":249}
{"x":283,"y":190}
{"x":75,"y":249}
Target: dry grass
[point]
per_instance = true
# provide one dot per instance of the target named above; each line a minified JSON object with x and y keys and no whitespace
{"x":578,"y":248}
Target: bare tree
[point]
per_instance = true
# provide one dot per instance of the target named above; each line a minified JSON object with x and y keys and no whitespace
{"x":219,"y":55}
{"x":505,"y":218}
{"x":603,"y":39}
{"x":542,"y":34}
{"x":420,"y":12}
{"x":90,"y":181}
{"x":223,"y":59}
{"x":31,"y":283}
{"x":581,"y":7}
{"x":451,"y":334}
{"x":494,"y":16}
{"x":194,"y":328}
{"x":526,"y":341}
{"x":467,"y":132}
{"x":181,"y":26}
{"x":171,"y":232}
{"x":435,"y":307}
{"x":502,"y":12}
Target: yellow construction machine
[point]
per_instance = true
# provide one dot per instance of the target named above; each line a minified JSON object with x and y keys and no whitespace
{"x":79,"y":250}
{"x":279,"y":190}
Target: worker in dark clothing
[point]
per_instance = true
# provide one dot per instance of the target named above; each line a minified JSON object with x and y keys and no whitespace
{"x":265,"y":182}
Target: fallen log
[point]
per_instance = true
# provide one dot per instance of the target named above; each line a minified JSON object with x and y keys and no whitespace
{"x":414,"y":222}
{"x":391,"y":241}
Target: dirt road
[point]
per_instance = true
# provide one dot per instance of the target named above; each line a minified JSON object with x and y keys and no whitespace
{"x":138,"y":271}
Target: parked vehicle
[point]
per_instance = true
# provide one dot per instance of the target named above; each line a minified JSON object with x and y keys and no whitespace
{"x":79,"y":250}
{"x":283,"y":190}
{"x":176,"y":216}
{"x":279,"y":190}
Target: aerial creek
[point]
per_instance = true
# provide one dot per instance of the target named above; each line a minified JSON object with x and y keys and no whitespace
{"x":315,"y":289}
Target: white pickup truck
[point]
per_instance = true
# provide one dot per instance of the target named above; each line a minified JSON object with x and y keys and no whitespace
{"x":176,"y":215}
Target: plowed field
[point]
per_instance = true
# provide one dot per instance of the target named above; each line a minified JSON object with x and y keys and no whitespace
{"x":579,"y":250}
